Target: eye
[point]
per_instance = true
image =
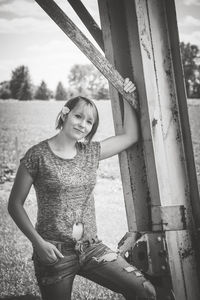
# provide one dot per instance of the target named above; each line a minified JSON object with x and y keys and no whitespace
{"x":78,"y":116}
{"x":90,"y":122}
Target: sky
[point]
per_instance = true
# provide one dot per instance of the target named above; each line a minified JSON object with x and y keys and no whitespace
{"x":29,"y":37}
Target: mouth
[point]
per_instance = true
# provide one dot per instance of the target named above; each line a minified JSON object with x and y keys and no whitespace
{"x":79,"y":130}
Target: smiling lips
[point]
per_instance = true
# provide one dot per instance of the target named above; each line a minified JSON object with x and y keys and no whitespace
{"x":79,"y":130}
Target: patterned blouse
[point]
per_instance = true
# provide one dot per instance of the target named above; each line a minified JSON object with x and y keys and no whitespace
{"x":64,"y":189}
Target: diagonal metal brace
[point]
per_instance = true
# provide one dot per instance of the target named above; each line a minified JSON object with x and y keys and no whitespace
{"x":82,"y":42}
{"x":88,"y":21}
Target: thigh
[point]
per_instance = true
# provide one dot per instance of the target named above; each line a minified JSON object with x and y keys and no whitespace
{"x":55,"y":280}
{"x":59,"y":290}
{"x":112,"y":271}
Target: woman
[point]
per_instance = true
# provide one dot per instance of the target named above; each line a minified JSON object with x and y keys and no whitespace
{"x":63,"y":172}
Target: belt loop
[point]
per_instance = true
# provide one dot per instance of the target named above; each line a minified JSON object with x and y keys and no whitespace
{"x":59,"y":246}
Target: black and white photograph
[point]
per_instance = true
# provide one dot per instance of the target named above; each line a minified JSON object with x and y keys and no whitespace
{"x":100,"y":149}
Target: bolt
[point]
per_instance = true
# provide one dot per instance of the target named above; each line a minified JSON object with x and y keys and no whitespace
{"x":159,"y":239}
{"x":163,"y":267}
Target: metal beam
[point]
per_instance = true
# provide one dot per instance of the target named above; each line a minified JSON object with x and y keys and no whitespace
{"x":183,"y":110}
{"x":80,"y":40}
{"x":132,"y":167}
{"x":151,"y":64}
{"x":88,"y":21}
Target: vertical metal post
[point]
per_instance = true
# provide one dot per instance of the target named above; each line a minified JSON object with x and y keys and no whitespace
{"x":132,"y":167}
{"x":139,"y":41}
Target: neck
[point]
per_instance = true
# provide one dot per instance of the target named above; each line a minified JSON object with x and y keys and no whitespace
{"x":64,"y":142}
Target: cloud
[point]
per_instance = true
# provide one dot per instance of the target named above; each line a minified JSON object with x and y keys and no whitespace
{"x":50,"y":62}
{"x":24,"y":8}
{"x":191,"y":2}
{"x":192,"y":38}
{"x":27,"y":25}
{"x":57,"y":52}
{"x":21,"y":8}
{"x":30,"y":18}
{"x":190,"y":21}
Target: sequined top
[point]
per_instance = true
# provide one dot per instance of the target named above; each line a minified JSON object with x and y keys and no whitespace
{"x":64,"y":189}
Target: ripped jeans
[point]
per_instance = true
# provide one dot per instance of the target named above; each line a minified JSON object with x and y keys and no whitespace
{"x":96,"y":262}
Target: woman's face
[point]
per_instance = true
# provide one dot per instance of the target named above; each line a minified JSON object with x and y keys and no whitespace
{"x":79,"y":121}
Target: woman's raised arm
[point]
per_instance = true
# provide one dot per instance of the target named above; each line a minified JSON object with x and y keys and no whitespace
{"x":115,"y":144}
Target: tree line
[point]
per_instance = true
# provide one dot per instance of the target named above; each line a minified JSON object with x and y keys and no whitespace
{"x":83,"y":79}
{"x":89,"y":82}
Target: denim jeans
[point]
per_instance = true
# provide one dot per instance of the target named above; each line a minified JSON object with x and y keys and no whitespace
{"x":94,"y":261}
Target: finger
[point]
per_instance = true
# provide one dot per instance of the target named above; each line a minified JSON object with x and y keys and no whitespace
{"x":52,"y":256}
{"x":130,"y":86}
{"x":58,"y":253}
{"x":130,"y":89}
{"x":127,"y":87}
{"x":126,"y":80}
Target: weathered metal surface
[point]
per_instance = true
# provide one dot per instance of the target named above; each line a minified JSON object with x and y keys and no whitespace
{"x":117,"y":50}
{"x":168,"y":218}
{"x":149,"y":255}
{"x":80,"y":40}
{"x":167,"y":148}
{"x":154,"y":148}
{"x":88,"y":21}
{"x":183,"y":265}
{"x":167,"y":109}
{"x":183,"y":109}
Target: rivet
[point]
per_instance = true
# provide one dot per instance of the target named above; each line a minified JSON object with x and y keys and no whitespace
{"x":159,"y":239}
{"x":163,"y":268}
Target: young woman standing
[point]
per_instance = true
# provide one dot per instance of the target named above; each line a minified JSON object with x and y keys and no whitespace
{"x":63,"y":172}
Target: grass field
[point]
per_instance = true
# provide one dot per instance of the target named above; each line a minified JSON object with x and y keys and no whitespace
{"x":22,"y":124}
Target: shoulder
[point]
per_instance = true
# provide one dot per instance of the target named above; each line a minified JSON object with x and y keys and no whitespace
{"x":91,"y":147}
{"x":91,"y":151}
{"x":31,"y":158}
{"x":37,"y":148}
{"x":34,"y":152}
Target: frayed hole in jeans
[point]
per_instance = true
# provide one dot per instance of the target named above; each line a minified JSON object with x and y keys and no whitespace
{"x":130,"y":269}
{"x":108,"y":257}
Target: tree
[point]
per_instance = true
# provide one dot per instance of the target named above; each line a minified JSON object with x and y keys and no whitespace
{"x":42,"y":93}
{"x":98,"y":85}
{"x":20,"y":84}
{"x":88,"y":81}
{"x":78,"y":78}
{"x":5,"y":92}
{"x":25,"y":92}
{"x":190,"y":57}
{"x":61,"y":93}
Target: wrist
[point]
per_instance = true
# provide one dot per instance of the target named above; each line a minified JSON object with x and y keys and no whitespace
{"x":37,"y":240}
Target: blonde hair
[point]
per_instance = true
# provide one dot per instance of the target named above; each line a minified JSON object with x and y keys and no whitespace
{"x":73,"y":102}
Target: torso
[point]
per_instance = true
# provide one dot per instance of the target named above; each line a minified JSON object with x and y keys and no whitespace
{"x":64,"y":189}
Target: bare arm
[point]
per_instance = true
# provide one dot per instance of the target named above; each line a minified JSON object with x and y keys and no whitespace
{"x":115,"y":144}
{"x":19,"y":192}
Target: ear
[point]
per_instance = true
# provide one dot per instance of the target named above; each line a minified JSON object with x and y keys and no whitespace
{"x":63,"y":117}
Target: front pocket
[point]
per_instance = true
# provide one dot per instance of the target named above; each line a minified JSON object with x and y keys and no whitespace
{"x":38,"y":260}
{"x":49,"y":263}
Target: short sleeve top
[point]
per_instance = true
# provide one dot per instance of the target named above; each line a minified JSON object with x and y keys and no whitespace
{"x":64,"y":189}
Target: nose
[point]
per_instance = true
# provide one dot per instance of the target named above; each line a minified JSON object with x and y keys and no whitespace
{"x":82,"y":123}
